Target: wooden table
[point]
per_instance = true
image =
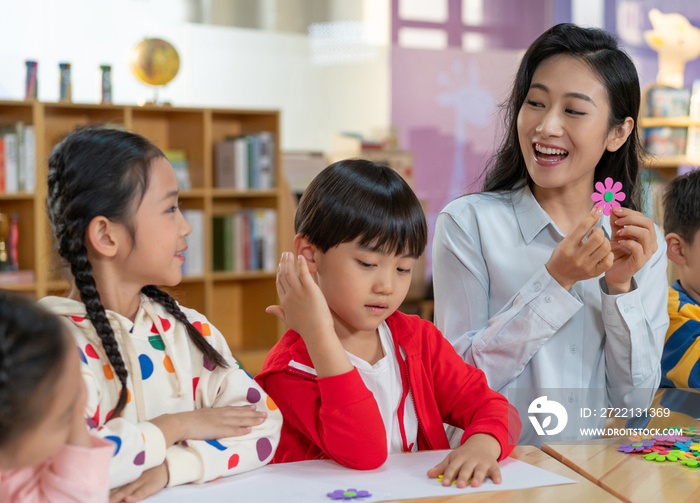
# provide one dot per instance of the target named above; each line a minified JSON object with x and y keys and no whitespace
{"x":584,"y":490}
{"x":628,"y":476}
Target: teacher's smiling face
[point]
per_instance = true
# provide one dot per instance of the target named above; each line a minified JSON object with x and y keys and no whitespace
{"x":563,"y":124}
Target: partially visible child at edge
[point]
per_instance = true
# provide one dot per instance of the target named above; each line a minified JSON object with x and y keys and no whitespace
{"x":161,"y":381}
{"x":354,"y":377}
{"x":46,"y":453}
{"x":679,"y":362}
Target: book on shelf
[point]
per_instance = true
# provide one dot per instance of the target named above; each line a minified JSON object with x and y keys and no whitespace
{"x":194,"y":255}
{"x":668,"y":102}
{"x":693,"y":143}
{"x":665,"y":141}
{"x":17,"y":277}
{"x":653,"y":190}
{"x":245,"y":240}
{"x":178,"y":160}
{"x":18,"y":158}
{"x":245,"y":162}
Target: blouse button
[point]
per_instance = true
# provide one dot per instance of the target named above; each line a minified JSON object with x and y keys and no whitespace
{"x":537,"y":287}
{"x":628,"y":309}
{"x":610,"y":311}
{"x":573,"y":350}
{"x":548,"y":299}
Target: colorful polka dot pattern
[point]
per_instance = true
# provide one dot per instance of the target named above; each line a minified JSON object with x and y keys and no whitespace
{"x":140,"y":458}
{"x":146,"y":367}
{"x":93,"y":421}
{"x":217,"y":444}
{"x":90,"y":351}
{"x":253,"y":395}
{"x":264,"y":448}
{"x":203,"y":328}
{"x":117,"y":441}
{"x":164,"y":322}
{"x":195,"y":382}
{"x":271,"y":404}
{"x":156,"y":342}
{"x":208,"y":365}
{"x":149,"y":363}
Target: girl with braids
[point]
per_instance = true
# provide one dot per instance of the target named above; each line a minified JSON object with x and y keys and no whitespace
{"x":161,"y":381}
{"x":46,"y":453}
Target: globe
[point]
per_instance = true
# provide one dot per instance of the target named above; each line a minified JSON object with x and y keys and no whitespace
{"x":154,"y":62}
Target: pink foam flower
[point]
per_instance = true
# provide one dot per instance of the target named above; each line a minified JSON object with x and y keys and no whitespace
{"x":608,"y":195}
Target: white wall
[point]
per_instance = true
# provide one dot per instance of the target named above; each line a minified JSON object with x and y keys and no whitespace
{"x":220,"y":66}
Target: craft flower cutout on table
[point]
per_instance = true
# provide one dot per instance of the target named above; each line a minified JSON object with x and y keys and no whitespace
{"x":350,"y":494}
{"x":636,"y":447}
{"x":608,"y":195}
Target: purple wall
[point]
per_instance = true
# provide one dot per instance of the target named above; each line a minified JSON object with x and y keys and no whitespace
{"x":445,"y":103}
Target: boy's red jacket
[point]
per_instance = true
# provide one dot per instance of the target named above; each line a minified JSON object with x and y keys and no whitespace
{"x":337,"y":416}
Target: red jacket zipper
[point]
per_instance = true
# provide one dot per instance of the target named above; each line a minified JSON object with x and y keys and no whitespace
{"x":420,"y":424}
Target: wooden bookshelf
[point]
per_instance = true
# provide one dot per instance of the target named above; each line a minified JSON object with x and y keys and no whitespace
{"x":665,"y":167}
{"x":235,"y":302}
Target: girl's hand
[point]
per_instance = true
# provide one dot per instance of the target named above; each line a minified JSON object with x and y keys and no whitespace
{"x":475,"y":459}
{"x":304,"y":308}
{"x":633,"y":244}
{"x":150,"y":482}
{"x":209,"y":423}
{"x":573,"y":260}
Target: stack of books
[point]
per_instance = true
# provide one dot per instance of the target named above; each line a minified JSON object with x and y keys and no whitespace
{"x":245,"y":240}
{"x":653,"y":189}
{"x":194,"y":255}
{"x":246,"y":162}
{"x":17,"y":158}
{"x":665,"y":141}
{"x":178,"y":160}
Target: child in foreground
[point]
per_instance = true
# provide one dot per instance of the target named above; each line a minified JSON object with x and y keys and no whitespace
{"x":354,"y":378}
{"x":46,"y":452}
{"x":161,"y":381}
{"x":679,"y":362}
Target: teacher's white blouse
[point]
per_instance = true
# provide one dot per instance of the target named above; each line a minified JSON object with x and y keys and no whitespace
{"x":504,"y":314}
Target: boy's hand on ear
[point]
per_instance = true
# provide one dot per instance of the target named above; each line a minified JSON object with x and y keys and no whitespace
{"x":633,"y":240}
{"x":474,"y":460}
{"x":304,"y":308}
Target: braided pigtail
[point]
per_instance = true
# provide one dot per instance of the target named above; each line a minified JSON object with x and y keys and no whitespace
{"x":171,"y":306}
{"x":96,"y":172}
{"x":85,"y":283}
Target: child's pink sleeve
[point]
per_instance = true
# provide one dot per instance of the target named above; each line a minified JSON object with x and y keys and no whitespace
{"x":74,"y":475}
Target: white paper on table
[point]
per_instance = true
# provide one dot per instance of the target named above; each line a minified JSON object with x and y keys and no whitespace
{"x":403,"y":476}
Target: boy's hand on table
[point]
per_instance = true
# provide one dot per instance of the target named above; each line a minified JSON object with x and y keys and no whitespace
{"x":475,"y":459}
